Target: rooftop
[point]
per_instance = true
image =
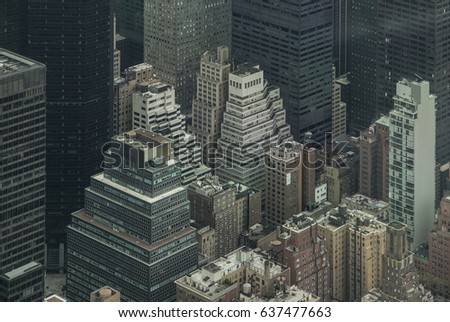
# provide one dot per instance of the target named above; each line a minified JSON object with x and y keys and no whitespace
{"x":13,"y":63}
{"x":139,"y":67}
{"x":144,"y":137}
{"x":209,"y":186}
{"x":211,"y":279}
{"x":384,"y":121}
{"x":15,"y":273}
{"x":366,"y":203}
{"x":397,"y":225}
{"x":54,"y":298}
{"x":291,"y":294}
{"x":299,"y":222}
{"x":286,"y":151}
{"x":358,"y":220}
{"x":246,"y":70}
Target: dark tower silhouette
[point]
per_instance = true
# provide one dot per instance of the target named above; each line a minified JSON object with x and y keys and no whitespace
{"x":74,"y":40}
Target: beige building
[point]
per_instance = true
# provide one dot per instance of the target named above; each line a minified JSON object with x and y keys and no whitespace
{"x":206,"y":239}
{"x":244,"y":270}
{"x":341,"y":182}
{"x":283,"y":172}
{"x":105,"y":294}
{"x":374,"y":160}
{"x":339,"y":111}
{"x":334,"y":232}
{"x":209,"y":104}
{"x":123,"y":95}
{"x":355,"y":243}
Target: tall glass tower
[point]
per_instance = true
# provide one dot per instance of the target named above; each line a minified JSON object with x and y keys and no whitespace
{"x":362,"y":67}
{"x":130,"y":24}
{"x":74,"y":40}
{"x":13,"y":33}
{"x":414,"y":45}
{"x":292,"y":42}
{"x":22,"y":178}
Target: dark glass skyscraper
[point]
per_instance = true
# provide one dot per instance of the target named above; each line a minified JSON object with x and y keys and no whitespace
{"x":130,"y":24}
{"x":22,"y":178}
{"x":362,"y":63}
{"x":13,"y":30}
{"x":341,"y":33}
{"x":74,"y":39}
{"x":292,"y":42}
{"x":413,"y":40}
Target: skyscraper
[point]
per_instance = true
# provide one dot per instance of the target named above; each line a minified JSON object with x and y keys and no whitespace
{"x":22,"y":179}
{"x":362,"y":66}
{"x":74,"y":40}
{"x":13,"y":33}
{"x":130,"y":24}
{"x":134,"y":232}
{"x":154,"y":109}
{"x":283,"y":183}
{"x":209,"y":104}
{"x":339,"y":109}
{"x":177,"y":33}
{"x":341,"y":26}
{"x":292,"y":42}
{"x":412,"y":148}
{"x":413,"y":45}
{"x":254,"y":119}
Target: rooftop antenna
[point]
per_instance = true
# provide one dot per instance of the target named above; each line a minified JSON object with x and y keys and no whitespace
{"x":420,"y":78}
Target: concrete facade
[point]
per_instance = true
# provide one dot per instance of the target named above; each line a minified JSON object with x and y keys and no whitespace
{"x":254,"y":119}
{"x":210,"y":101}
{"x":412,"y":159}
{"x":177,"y":33}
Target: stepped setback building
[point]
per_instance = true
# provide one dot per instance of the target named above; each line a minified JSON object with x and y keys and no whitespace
{"x":154,"y":109}
{"x":134,"y":233}
{"x":253,"y":121}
